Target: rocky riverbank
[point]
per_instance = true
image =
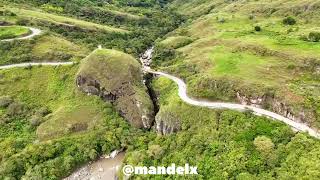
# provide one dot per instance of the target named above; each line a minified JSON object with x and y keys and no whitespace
{"x":106,"y":167}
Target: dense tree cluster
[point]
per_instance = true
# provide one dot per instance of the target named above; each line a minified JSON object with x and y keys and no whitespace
{"x":289,"y":21}
{"x":314,"y":36}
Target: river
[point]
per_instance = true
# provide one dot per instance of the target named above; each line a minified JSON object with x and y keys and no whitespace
{"x":105,"y":168}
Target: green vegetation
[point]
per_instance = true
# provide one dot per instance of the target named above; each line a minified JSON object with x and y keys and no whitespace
{"x":314,"y":36}
{"x":228,"y":56}
{"x":104,"y":61}
{"x":176,"y":42}
{"x":226,"y":144}
{"x":115,"y":25}
{"x":257,"y":28}
{"x":52,"y":18}
{"x":289,"y":21}
{"x":47,"y":97}
{"x":55,"y":49}
{"x":13,"y":31}
{"x":47,"y":47}
{"x":123,"y":85}
{"x":55,"y":119}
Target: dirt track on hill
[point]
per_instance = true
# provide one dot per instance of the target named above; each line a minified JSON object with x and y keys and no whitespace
{"x":34,"y":32}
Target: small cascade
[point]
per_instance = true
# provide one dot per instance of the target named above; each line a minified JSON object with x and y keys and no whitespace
{"x":146,"y":58}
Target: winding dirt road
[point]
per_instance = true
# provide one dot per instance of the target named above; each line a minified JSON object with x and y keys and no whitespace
{"x":238,"y":107}
{"x":146,"y":60}
{"x":36,"y":64}
{"x":34,"y":32}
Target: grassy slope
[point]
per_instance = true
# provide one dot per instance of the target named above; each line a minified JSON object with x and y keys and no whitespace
{"x":122,"y":13}
{"x":254,"y":62}
{"x":53,"y":48}
{"x":53,"y":88}
{"x":56,"y":19}
{"x":102,"y":62}
{"x":119,"y":73}
{"x":13,"y":31}
{"x":175,"y":41}
{"x":46,"y":47}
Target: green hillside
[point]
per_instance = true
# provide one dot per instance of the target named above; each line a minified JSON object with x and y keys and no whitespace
{"x":249,"y":49}
{"x":116,"y":76}
{"x":56,"y":119}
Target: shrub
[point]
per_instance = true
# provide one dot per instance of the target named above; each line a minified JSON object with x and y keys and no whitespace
{"x":35,"y":121}
{"x":5,"y":119}
{"x":155,"y":151}
{"x":15,"y":109}
{"x":257,"y":28}
{"x":5,"y":101}
{"x":22,"y":22}
{"x":289,"y":21}
{"x":263,"y":144}
{"x":314,"y":36}
{"x":51,"y":8}
{"x":221,"y":20}
{"x":43,"y":111}
{"x":163,"y":55}
{"x":291,"y":66}
{"x":7,"y":13}
{"x":29,"y":67}
{"x":304,"y":38}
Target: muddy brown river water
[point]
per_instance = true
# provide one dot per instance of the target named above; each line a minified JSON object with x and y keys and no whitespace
{"x":103,"y":168}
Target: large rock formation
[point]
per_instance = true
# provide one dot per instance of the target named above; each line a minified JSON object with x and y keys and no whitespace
{"x":296,"y":113}
{"x":167,"y":121}
{"x":116,"y":77}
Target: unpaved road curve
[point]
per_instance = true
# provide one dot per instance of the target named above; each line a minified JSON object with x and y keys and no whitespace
{"x":36,"y":64}
{"x":239,"y":107}
{"x":34,"y":32}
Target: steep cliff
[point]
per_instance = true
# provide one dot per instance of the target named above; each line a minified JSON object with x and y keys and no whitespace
{"x":167,"y":121}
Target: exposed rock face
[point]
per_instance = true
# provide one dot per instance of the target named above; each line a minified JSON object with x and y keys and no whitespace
{"x":146,"y":58}
{"x":116,"y":77}
{"x":254,"y":101}
{"x":275,"y":105}
{"x":167,"y":122}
